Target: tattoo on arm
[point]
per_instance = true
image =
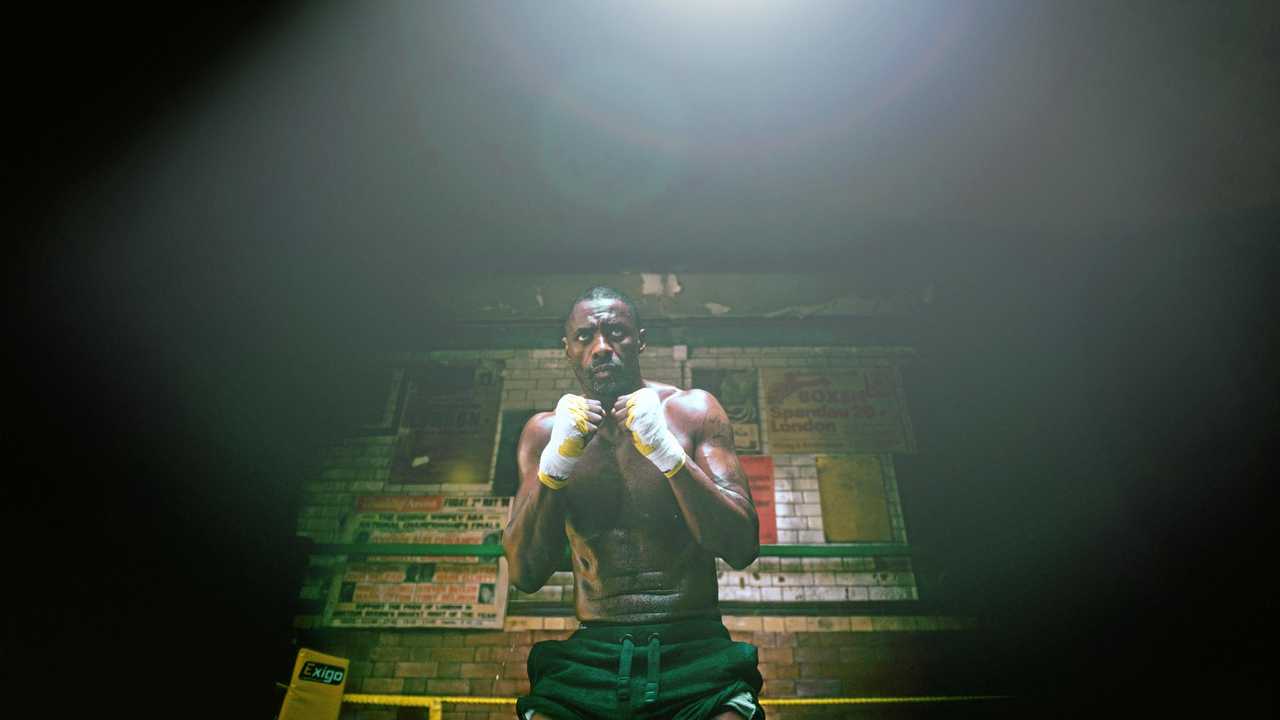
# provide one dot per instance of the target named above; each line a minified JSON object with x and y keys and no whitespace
{"x":717,"y":431}
{"x":726,"y":473}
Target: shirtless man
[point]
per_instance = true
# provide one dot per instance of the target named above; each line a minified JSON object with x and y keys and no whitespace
{"x":641,"y":480}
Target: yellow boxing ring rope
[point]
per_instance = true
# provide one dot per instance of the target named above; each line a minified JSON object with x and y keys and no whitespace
{"x":435,"y":703}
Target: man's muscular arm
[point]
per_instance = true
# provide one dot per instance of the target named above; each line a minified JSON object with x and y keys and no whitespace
{"x":534,"y":540}
{"x":713,"y":493}
{"x":712,"y":490}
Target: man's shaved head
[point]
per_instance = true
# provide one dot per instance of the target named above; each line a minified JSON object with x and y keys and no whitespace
{"x":604,"y":292}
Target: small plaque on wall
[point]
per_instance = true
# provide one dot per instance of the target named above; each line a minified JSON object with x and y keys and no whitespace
{"x":854,"y":506}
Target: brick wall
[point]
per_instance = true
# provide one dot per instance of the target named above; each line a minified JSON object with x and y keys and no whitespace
{"x":800,"y":655}
{"x":535,"y":380}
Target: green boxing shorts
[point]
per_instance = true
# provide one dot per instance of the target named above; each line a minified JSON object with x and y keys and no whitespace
{"x":687,"y":670}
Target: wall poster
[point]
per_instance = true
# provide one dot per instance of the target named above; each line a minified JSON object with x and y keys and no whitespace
{"x":449,"y":425}
{"x":854,"y":506}
{"x":836,"y":411}
{"x":422,"y":590}
{"x":759,"y":470}
{"x":737,"y":392}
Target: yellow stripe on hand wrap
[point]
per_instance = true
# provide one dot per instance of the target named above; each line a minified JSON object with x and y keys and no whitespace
{"x":635,"y":436}
{"x":551,"y":482}
{"x":578,"y":409}
{"x":572,"y":447}
{"x":672,"y":472}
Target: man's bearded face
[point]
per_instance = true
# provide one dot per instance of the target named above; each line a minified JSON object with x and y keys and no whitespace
{"x":603,"y":344}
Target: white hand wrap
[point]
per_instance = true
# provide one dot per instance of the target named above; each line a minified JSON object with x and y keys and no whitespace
{"x":649,"y":432}
{"x":568,"y":438}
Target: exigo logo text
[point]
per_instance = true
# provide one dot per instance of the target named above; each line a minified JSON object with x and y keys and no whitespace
{"x":319,"y":672}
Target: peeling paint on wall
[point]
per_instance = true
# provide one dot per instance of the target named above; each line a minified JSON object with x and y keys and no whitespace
{"x":661,"y":285}
{"x":847,"y":305}
{"x":673,"y":286}
{"x":512,"y":296}
{"x":650,"y":284}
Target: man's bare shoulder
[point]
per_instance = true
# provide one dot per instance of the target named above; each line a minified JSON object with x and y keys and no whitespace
{"x":691,"y":405}
{"x":694,"y":399}
{"x":670,"y":393}
{"x":538,"y":428}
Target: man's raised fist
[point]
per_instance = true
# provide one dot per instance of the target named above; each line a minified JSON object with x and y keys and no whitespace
{"x":641,"y":413}
{"x":576,"y":420}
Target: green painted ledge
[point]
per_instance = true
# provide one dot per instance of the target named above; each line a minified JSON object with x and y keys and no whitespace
{"x":852,"y":550}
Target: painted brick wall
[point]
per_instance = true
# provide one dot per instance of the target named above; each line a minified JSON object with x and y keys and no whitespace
{"x":772,"y":579}
{"x":798,"y":506}
{"x":535,"y":380}
{"x":492,"y":663}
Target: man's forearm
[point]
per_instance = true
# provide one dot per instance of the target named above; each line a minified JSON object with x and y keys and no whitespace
{"x":534,"y":537}
{"x":720,"y":519}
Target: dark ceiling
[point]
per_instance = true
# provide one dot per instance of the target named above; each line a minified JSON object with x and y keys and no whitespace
{"x":658,"y":135}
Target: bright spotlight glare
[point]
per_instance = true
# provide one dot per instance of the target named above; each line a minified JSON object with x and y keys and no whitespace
{"x":731,"y":11}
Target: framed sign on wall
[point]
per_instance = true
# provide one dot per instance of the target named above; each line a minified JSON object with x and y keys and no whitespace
{"x":448,"y":428}
{"x":421,"y":590}
{"x":847,"y":410}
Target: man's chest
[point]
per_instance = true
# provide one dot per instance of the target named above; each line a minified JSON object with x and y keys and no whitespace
{"x":615,"y":486}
